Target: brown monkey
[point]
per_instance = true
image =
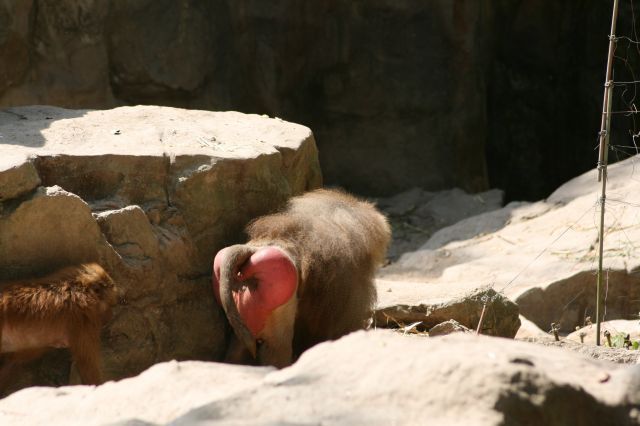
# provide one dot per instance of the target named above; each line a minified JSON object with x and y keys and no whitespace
{"x":65,"y":309}
{"x":305,"y":276}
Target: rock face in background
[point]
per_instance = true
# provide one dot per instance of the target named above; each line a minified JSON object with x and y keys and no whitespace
{"x":545,"y":91}
{"x":152,"y":193}
{"x":542,"y":256}
{"x":332,"y":65}
{"x":415,"y":215}
{"x":399,"y":94}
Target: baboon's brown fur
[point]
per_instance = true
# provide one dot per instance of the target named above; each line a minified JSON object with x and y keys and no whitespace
{"x":335,"y":241}
{"x":65,"y":309}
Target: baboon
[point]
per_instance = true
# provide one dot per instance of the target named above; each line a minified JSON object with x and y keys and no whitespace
{"x":65,"y":309}
{"x":305,"y":276}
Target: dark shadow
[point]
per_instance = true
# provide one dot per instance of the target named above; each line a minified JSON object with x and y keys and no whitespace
{"x":560,"y":405}
{"x":569,"y":301}
{"x":23,"y":126}
{"x":52,"y":369}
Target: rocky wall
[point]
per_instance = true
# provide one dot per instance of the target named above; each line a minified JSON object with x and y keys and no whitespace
{"x":394,"y":90}
{"x":151,"y":193}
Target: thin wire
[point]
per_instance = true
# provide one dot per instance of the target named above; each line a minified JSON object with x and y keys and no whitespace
{"x":573,"y":300}
{"x":617,"y":220}
{"x":618,"y":149}
{"x":634,"y":30}
{"x":623,"y":147}
{"x":546,"y":248}
{"x":628,"y":39}
{"x":623,"y":202}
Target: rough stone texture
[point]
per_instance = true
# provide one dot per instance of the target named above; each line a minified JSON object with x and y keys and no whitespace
{"x":405,"y":302}
{"x":615,"y":327}
{"x":383,"y":379}
{"x":447,"y":327}
{"x":32,"y":235}
{"x":540,"y":255}
{"x":415,"y":215}
{"x":550,"y":57}
{"x":602,"y":353}
{"x":16,"y":180}
{"x":398,"y":93}
{"x":385,"y":124}
{"x":530,"y":332}
{"x":151,"y":193}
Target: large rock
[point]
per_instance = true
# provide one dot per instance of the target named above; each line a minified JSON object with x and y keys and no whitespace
{"x":405,"y":302}
{"x":602,"y":353}
{"x":334,"y":66}
{"x":415,"y":215}
{"x":541,"y":255}
{"x":530,"y":332}
{"x":543,"y":66}
{"x":17,"y":176}
{"x":151,"y":193}
{"x":382,"y":378}
{"x":616,"y":328}
{"x":448,"y":327}
{"x":507,"y":75}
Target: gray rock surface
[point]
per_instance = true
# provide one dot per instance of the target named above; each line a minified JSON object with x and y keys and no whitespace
{"x":17,"y":176}
{"x":615,"y":327}
{"x":540,"y":255}
{"x":448,"y":327}
{"x":415,"y":215}
{"x":602,"y":353}
{"x":407,"y":302}
{"x":151,"y":193}
{"x":398,"y":94}
{"x":530,"y":332}
{"x":332,"y":66}
{"x":376,"y":378}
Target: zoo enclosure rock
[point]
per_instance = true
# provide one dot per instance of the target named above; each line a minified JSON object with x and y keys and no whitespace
{"x":541,"y":255}
{"x":504,"y":78}
{"x":384,"y":123}
{"x":384,"y":378}
{"x":151,"y":193}
{"x":402,"y":303}
{"x":448,"y":327}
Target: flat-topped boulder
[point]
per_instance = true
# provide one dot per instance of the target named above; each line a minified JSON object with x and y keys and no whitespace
{"x":146,"y":130}
{"x":151,"y":193}
{"x":542,"y":255}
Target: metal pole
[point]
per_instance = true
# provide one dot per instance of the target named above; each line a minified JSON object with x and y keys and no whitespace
{"x":605,"y":128}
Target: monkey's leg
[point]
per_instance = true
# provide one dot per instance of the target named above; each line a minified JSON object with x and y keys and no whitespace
{"x":12,"y":364}
{"x":84,"y":344}
{"x":8,"y":371}
{"x":237,"y":353}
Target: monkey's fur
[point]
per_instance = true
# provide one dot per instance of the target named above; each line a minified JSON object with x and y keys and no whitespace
{"x":65,"y":309}
{"x":335,"y":242}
